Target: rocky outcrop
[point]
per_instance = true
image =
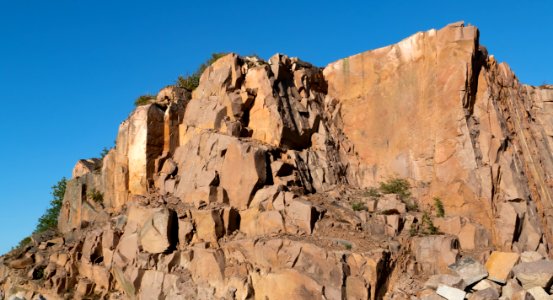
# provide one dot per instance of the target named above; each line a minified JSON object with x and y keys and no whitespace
{"x":266,"y":175}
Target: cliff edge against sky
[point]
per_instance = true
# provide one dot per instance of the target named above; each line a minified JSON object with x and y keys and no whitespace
{"x":387,"y":174}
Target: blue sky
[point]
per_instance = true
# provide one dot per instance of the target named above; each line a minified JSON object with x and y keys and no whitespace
{"x":70,"y":70}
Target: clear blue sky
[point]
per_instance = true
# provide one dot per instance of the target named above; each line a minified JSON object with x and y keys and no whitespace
{"x":70,"y":70}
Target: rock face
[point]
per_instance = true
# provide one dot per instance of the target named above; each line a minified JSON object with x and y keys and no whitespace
{"x":261,"y":184}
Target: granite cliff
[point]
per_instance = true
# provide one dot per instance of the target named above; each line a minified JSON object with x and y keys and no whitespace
{"x":268,"y":181}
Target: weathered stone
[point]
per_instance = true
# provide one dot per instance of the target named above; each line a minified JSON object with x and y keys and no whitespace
{"x":470,"y":270}
{"x":159,"y":232}
{"x":391,"y":202}
{"x":208,"y":265}
{"x":486,"y":284}
{"x":450,"y":280}
{"x":85,"y":166}
{"x":240,"y":186}
{"x":530,"y":256}
{"x":510,"y":288}
{"x":292,"y":285}
{"x":473,"y":236}
{"x":21,"y":263}
{"x":450,"y":293}
{"x":255,"y":223}
{"x":435,"y":253}
{"x":231,"y":220}
{"x":209,"y":225}
{"x":539,"y":293}
{"x":499,"y":265}
{"x":186,"y":231}
{"x":485,"y":294}
{"x":449,"y":225}
{"x":302,"y":214}
{"x":151,"y":286}
{"x":356,"y":288}
{"x":537,"y":273}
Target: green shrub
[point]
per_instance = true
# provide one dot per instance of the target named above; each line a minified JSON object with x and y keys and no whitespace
{"x":104,"y":152}
{"x":413,"y":230}
{"x":96,"y":196}
{"x":347,"y":245}
{"x":49,"y":220}
{"x":143,"y":100}
{"x":24,"y":242}
{"x":439,"y":205}
{"x":358,"y":206}
{"x":191,"y":82}
{"x":372,"y":192}
{"x":397,"y":186}
{"x":427,"y":225}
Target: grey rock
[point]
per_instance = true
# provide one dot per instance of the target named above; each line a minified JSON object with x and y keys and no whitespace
{"x":469,"y":270}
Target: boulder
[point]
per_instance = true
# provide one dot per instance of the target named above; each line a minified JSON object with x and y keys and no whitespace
{"x":473,"y":236}
{"x":291,"y":285}
{"x":539,"y":293}
{"x":390,"y":202}
{"x":485,"y":294}
{"x":486,"y":284}
{"x":499,"y":265}
{"x":85,"y":166}
{"x":252,"y":165}
{"x":434,"y":253}
{"x":538,"y":273}
{"x":254,"y":222}
{"x":450,"y":293}
{"x":530,"y":256}
{"x":303,"y":214}
{"x":159,"y":233}
{"x":470,"y":270}
{"x":510,"y":289}
{"x":151,"y":286}
{"x":209,"y":225}
{"x":450,"y":280}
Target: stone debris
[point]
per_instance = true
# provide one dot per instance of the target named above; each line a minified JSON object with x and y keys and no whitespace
{"x":450,"y":293}
{"x":470,"y":270}
{"x":537,"y":273}
{"x":500,"y":264}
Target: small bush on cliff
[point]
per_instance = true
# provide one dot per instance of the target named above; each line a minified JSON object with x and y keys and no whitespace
{"x":400,"y":187}
{"x":24,"y":242}
{"x":96,"y":196}
{"x":191,"y":82}
{"x":358,"y":206}
{"x":49,"y":220}
{"x":143,"y":100}
{"x":372,"y":192}
{"x":428,"y":226}
{"x":104,"y":152}
{"x":439,"y":205}
{"x":397,"y":186}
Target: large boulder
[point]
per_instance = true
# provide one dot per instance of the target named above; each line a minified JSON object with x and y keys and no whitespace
{"x":244,"y":170}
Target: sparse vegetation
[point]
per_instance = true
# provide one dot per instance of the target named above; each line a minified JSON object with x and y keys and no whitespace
{"x":104,"y":152}
{"x":95,"y":196}
{"x":191,"y":82}
{"x":398,"y":186}
{"x":439,"y":205}
{"x":372,"y":192}
{"x":347,"y":245}
{"x":427,"y":225}
{"x":24,"y":242}
{"x":358,"y":206}
{"x":143,"y":100}
{"x":413,"y":230}
{"x":49,"y":220}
